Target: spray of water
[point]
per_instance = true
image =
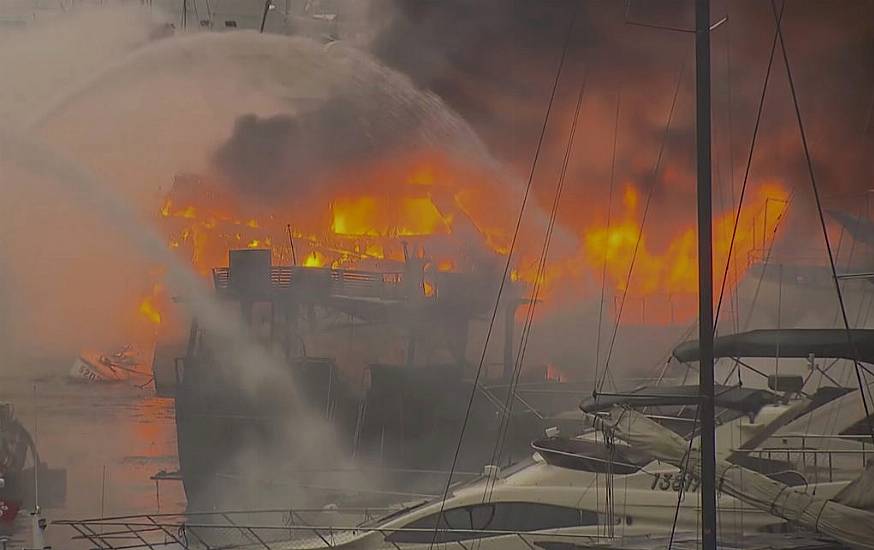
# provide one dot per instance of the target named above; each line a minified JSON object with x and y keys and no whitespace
{"x":77,"y":182}
{"x":83,"y":165}
{"x":145,"y":110}
{"x":256,"y":368}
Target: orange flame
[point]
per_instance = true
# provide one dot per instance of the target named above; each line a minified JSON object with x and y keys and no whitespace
{"x":148,"y":307}
{"x":425,"y":206}
{"x":315,"y":259}
{"x":374,"y":217}
{"x":674,"y":271}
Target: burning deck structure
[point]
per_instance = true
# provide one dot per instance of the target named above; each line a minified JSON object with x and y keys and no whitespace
{"x":403,"y":414}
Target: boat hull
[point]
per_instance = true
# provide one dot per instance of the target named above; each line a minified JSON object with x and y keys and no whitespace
{"x":238,"y":450}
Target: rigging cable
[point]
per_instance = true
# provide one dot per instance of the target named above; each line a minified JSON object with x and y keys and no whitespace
{"x":502,"y":284}
{"x":732,"y":241}
{"x":833,"y":416}
{"x":731,"y":162}
{"x":683,"y":473}
{"x":655,"y":171}
{"x":743,"y":188}
{"x":609,"y":215}
{"x":728,"y":263}
{"x":815,"y":188}
{"x":504,"y":427}
{"x":849,"y":260}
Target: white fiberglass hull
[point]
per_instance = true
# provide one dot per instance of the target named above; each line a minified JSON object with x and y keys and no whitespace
{"x":95,"y":368}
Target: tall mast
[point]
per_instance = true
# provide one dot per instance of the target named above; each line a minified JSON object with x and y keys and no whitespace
{"x":705,"y":275}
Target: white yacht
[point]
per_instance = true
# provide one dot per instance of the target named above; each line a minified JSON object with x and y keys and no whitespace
{"x":828,"y":440}
{"x":572,"y":491}
{"x":583,"y":490}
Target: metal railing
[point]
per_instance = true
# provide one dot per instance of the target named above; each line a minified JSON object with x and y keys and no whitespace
{"x":213,"y":530}
{"x":809,"y":457}
{"x":223,"y":530}
{"x":332,"y":282}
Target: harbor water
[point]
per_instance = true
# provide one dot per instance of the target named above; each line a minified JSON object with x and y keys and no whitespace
{"x":111,"y":439}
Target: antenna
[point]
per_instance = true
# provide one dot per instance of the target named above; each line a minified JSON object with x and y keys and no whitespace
{"x":37,"y":522}
{"x":34,"y":452}
{"x":268,"y":5}
{"x":103,"y":492}
{"x":291,"y":244}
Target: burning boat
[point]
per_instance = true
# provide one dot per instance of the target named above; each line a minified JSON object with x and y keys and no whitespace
{"x":399,"y":409}
{"x":404,"y":416}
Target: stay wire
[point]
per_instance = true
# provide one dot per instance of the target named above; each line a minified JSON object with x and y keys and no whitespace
{"x":749,"y":164}
{"x":731,"y":155}
{"x":502,"y":284}
{"x":815,"y":188}
{"x":609,"y":216}
{"x":833,"y":417}
{"x":498,"y":451}
{"x":654,"y":175}
{"x":683,"y":473}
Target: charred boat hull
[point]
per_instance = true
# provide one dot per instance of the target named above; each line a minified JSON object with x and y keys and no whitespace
{"x":402,"y":418}
{"x":404,"y":431}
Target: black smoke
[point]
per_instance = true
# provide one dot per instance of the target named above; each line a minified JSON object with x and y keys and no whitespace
{"x":494,"y":62}
{"x":270,"y":156}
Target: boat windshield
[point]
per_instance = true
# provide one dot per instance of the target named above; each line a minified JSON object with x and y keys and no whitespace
{"x":510,"y":470}
{"x":391,"y":515}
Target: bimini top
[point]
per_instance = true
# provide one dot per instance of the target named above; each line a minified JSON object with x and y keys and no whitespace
{"x":590,"y":456}
{"x":738,"y":398}
{"x":796,"y":342}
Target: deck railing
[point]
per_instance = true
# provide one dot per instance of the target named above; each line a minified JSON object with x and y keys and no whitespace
{"x":236,"y":529}
{"x":803,"y":450}
{"x":331,"y":282}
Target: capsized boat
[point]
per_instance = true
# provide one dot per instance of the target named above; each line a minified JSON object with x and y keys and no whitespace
{"x":124,"y":365}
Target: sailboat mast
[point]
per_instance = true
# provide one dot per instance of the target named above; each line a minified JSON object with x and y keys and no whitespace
{"x":706,"y":412}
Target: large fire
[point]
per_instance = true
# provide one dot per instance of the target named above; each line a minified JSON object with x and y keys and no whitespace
{"x":672,"y":273}
{"x":675,"y":269}
{"x":451,"y":215}
{"x":387,"y":217}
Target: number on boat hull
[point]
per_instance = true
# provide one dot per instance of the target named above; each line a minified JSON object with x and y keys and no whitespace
{"x":670,"y":481}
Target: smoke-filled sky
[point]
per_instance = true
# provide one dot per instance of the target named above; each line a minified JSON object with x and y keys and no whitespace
{"x":494,"y":62}
{"x":112,"y":91}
